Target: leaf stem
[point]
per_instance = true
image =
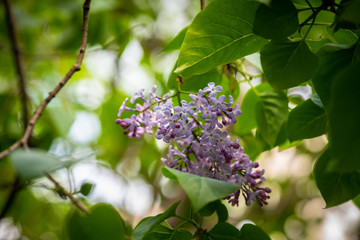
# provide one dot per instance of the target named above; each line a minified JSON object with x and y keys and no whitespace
{"x":79,"y":204}
{"x":188,"y":220}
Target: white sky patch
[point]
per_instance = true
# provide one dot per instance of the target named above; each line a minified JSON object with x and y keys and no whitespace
{"x":101,"y":64}
{"x":90,"y":93}
{"x":86,"y":128}
{"x":132,"y":75}
{"x":138,"y":198}
{"x":109,"y":187}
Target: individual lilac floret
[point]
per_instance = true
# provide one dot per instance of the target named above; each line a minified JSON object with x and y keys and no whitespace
{"x":199,"y":142}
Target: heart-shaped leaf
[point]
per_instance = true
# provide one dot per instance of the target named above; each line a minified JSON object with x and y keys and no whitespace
{"x":200,"y":190}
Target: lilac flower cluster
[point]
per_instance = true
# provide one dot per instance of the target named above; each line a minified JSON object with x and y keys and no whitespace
{"x":200,"y":143}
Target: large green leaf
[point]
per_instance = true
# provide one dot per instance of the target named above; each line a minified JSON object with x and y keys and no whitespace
{"x":287,"y":64}
{"x":247,"y":121}
{"x":356,"y":200}
{"x":219,"y":34}
{"x":147,"y":225}
{"x":307,"y":120}
{"x":181,"y":234}
{"x":276,"y":21}
{"x":200,"y":190}
{"x":159,"y":232}
{"x":252,"y":232}
{"x":344,"y":119}
{"x":223,"y":231}
{"x":35,"y":163}
{"x":333,"y":58}
{"x":194,"y":82}
{"x":271,"y":113}
{"x":335,"y":187}
{"x":103,"y":222}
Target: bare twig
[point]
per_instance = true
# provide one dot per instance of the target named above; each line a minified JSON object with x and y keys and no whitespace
{"x":76,"y":67}
{"x":11,"y":25}
{"x":74,"y":200}
{"x":202,"y":4}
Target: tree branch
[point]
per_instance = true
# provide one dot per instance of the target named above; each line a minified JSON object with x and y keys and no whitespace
{"x":11,"y":25}
{"x":202,"y":4}
{"x":76,"y":67}
{"x":74,"y":200}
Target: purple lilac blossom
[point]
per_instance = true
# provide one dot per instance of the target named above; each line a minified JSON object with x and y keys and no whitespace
{"x":199,"y":145}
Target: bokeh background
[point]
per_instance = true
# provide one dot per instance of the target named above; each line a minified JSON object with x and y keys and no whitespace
{"x":125,"y":53}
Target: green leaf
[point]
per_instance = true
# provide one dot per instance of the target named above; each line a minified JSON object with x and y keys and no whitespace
{"x":333,"y":58}
{"x":223,"y":231}
{"x":209,"y":209}
{"x":350,"y":12}
{"x":34,"y":163}
{"x":200,"y":190}
{"x":271,"y":113}
{"x":335,"y":187}
{"x":344,"y":119}
{"x":86,"y":188}
{"x":307,"y":120}
{"x":247,"y":120}
{"x":181,"y":234}
{"x":356,"y":200}
{"x":103,"y":222}
{"x":176,"y":42}
{"x":159,"y":232}
{"x":277,"y":21}
{"x":218,"y":35}
{"x":252,"y":232}
{"x":195,"y":82}
{"x":222,"y":212}
{"x":287,"y":64}
{"x":147,"y":225}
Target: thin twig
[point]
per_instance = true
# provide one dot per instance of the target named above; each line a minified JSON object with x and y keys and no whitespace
{"x":74,"y":200}
{"x":202,"y":4}
{"x":20,"y":66}
{"x":30,"y":127}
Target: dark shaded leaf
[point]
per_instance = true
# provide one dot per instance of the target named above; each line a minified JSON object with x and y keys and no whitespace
{"x":335,"y":187}
{"x":333,"y":58}
{"x":252,"y":232}
{"x":103,"y":222}
{"x":277,"y":21}
{"x":344,"y":119}
{"x":181,"y":234}
{"x":147,"y":225}
{"x":287,"y":64}
{"x":223,"y":231}
{"x":86,"y":188}
{"x":307,"y":120}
